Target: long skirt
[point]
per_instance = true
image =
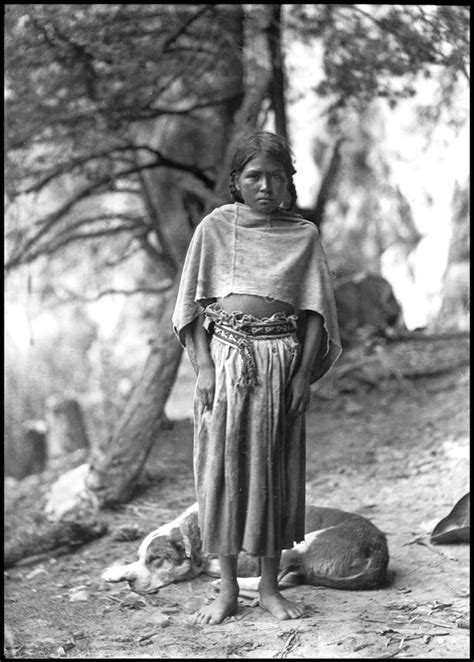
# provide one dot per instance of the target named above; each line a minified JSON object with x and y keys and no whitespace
{"x":249,"y":456}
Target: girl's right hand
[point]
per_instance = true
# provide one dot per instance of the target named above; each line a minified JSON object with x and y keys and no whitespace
{"x":205,"y":385}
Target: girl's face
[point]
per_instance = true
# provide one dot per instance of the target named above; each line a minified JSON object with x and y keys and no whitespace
{"x":263,"y":184}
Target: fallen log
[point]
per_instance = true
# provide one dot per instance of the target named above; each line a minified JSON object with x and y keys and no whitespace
{"x":48,"y":536}
{"x":409,"y":360}
{"x":427,"y":336}
{"x":373,"y":369}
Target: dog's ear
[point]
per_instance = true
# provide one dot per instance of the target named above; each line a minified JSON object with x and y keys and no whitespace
{"x":161,"y":549}
{"x":179,"y":550}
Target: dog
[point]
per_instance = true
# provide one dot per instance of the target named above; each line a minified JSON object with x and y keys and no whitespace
{"x":341,"y":550}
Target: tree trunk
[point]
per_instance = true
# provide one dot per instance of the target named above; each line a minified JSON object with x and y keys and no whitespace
{"x":277,"y":85}
{"x":33,"y":454}
{"x":113,"y":474}
{"x":66,"y":429}
{"x":258,"y":76}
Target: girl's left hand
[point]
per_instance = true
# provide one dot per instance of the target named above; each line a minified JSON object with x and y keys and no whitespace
{"x":298,"y":394}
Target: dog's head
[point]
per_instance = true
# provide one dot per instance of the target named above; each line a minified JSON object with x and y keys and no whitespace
{"x":168,"y":554}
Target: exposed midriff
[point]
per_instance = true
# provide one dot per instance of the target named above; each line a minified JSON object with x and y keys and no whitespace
{"x":251,"y":304}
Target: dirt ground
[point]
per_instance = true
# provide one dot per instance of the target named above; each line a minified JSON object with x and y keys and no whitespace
{"x":397,"y":454}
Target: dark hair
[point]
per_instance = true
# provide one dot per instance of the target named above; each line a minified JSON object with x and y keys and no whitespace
{"x":269,"y":144}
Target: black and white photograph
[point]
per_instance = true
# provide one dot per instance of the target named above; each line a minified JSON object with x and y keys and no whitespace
{"x":236,"y":331}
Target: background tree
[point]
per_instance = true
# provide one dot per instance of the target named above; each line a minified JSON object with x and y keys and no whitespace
{"x":185,"y":111}
{"x":93,"y":84}
{"x":379,"y":51}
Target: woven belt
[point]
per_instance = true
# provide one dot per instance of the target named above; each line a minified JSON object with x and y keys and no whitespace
{"x":242,"y":340}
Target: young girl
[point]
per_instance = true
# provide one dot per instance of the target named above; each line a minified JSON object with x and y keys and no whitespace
{"x":256,"y":312}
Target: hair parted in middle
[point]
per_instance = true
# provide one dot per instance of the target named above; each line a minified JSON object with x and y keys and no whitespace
{"x":262,"y":143}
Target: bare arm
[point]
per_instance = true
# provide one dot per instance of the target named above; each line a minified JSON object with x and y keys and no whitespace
{"x":311,"y":341}
{"x":205,"y":384}
{"x":299,"y":388}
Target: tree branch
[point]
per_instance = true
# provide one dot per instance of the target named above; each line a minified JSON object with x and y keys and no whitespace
{"x":95,"y":188}
{"x":327,"y":183}
{"x":26,"y":256}
{"x":75,"y":296}
{"x":161,"y":161}
{"x":155,"y":221}
{"x":185,"y":26}
{"x":128,"y":252}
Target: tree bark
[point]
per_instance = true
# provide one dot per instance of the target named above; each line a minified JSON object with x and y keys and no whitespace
{"x":66,"y":428}
{"x":113,"y":474}
{"x":34,"y":454}
{"x":277,"y":84}
{"x":245,"y":119}
{"x":258,"y":77}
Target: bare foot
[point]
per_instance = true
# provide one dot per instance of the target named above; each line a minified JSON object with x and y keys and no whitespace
{"x":279,"y":606}
{"x":224,"y":605}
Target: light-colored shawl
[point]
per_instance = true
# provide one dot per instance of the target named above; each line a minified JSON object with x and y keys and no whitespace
{"x":235,"y":249}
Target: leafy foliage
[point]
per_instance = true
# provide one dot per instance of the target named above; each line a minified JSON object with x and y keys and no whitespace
{"x":79,"y":79}
{"x":88,"y":71}
{"x":379,"y":50}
